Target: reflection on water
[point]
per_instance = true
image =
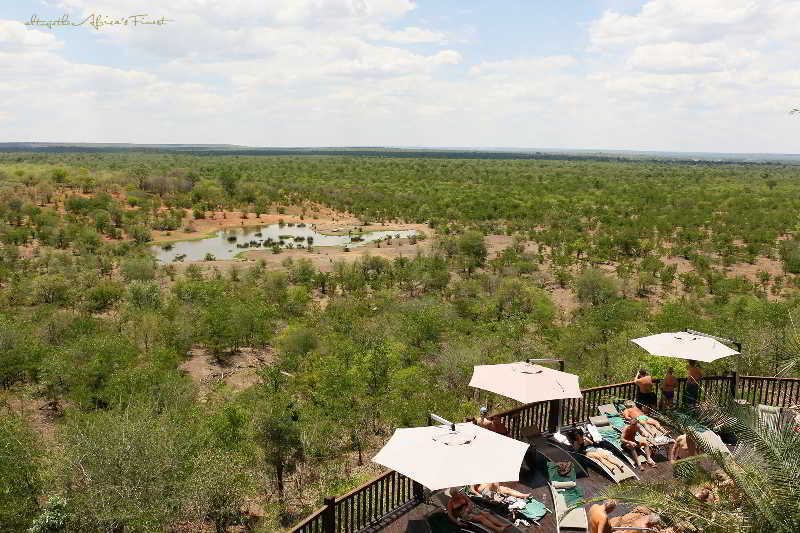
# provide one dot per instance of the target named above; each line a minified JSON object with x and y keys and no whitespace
{"x":226,"y":243}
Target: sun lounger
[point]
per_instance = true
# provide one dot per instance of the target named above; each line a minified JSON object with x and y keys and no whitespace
{"x":769,"y":416}
{"x":616,"y":476}
{"x":712,"y":440}
{"x":566,"y":493}
{"x":614,"y":413}
{"x":612,"y":438}
{"x":439,"y":522}
{"x":549,"y":451}
{"x":509,"y":507}
{"x":441,"y":499}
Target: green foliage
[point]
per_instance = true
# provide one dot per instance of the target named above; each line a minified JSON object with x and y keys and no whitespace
{"x":130,"y":468}
{"x":790,"y":254}
{"x":20,"y":482}
{"x":277,"y":430}
{"x":103,"y":295}
{"x":139,"y":268}
{"x":53,"y":518}
{"x":141,"y":234}
{"x":595,"y":287}
{"x":144,"y":295}
{"x":90,"y":321}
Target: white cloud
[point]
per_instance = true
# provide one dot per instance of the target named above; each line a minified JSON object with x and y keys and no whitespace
{"x":523,"y":67}
{"x":16,"y":37}
{"x":677,"y":74}
{"x":676,"y":57}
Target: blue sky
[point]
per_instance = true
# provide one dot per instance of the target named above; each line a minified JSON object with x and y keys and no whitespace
{"x":690,"y":75}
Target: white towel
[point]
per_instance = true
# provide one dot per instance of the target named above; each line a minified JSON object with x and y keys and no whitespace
{"x":596,"y":436}
{"x":561,"y":438}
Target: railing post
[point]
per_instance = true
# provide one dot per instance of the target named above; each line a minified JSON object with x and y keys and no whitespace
{"x":329,"y":516}
{"x":554,"y":416}
{"x":418,"y":491}
{"x":734,"y":384}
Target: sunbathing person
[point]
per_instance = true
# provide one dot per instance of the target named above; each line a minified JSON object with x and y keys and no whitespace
{"x":584,"y":444}
{"x":461,"y":508}
{"x":491,"y":490}
{"x":598,"y":517}
{"x":639,"y":517}
{"x":648,"y":424}
{"x":492,"y":423}
{"x":683,"y":447}
{"x":631,"y":442}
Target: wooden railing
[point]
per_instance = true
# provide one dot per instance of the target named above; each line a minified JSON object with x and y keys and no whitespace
{"x":781,"y":392}
{"x":529,"y":415}
{"x":364,"y":506}
{"x":378,"y":500}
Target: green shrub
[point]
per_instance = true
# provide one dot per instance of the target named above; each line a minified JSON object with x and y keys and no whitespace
{"x":144,"y":294}
{"x":595,"y":287}
{"x":103,"y":295}
{"x":20,"y":482}
{"x":139,"y":268}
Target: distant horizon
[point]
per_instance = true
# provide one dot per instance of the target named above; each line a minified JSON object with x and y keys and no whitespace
{"x":520,"y":149}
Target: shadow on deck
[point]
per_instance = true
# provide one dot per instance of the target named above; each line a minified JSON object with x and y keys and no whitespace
{"x":412,"y":519}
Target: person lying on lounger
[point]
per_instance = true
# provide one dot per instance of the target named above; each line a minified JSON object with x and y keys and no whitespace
{"x":648,"y":425}
{"x":683,"y":447}
{"x":638,"y":517}
{"x":631,"y":441}
{"x":461,"y":508}
{"x":584,"y":444}
{"x":491,"y":490}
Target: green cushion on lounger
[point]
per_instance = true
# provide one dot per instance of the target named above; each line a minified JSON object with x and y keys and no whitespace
{"x":616,"y":422}
{"x":611,"y":435}
{"x":571,"y":494}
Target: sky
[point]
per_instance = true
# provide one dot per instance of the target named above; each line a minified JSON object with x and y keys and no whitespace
{"x":671,"y":75}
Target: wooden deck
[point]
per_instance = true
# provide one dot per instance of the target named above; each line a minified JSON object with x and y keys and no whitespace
{"x":412,"y":520}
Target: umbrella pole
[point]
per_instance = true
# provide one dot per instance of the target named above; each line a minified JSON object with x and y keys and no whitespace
{"x":441,"y":420}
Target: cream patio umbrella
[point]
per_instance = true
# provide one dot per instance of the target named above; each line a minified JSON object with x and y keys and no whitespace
{"x":685,"y":345}
{"x":526,"y":382}
{"x":452,"y":455}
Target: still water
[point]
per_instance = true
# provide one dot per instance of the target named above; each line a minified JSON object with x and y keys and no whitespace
{"x":226,"y":243}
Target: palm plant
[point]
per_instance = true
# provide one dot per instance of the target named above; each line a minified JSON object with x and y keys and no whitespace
{"x":763,"y":491}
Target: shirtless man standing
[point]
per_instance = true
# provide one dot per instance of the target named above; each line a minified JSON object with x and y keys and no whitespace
{"x":598,"y":517}
{"x":630,"y":443}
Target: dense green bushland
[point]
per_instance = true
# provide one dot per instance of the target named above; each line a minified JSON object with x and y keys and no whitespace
{"x":94,"y":330}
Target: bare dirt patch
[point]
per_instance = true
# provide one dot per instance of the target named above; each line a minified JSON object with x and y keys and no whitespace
{"x":37,"y":411}
{"x":239,"y":371}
